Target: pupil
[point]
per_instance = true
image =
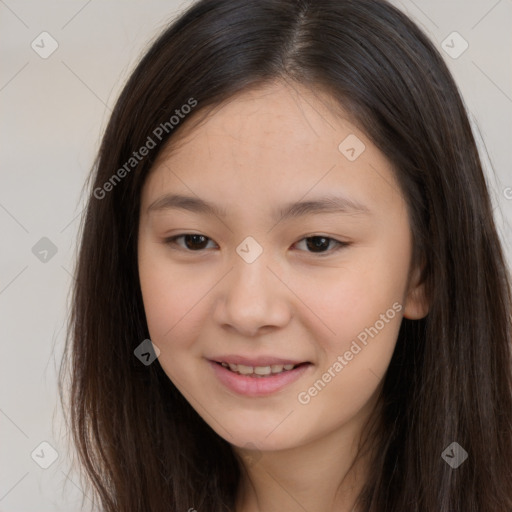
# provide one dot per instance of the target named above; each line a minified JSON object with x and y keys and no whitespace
{"x":320,"y":242}
{"x":196,"y":239}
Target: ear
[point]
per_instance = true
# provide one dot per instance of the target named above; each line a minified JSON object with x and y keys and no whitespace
{"x":416,"y":303}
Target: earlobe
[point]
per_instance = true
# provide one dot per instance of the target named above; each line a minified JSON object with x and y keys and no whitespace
{"x":416,"y":304}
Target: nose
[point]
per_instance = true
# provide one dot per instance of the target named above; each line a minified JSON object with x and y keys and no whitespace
{"x":252,"y":299}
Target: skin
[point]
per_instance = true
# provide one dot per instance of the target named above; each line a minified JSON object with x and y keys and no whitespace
{"x":263,"y":148}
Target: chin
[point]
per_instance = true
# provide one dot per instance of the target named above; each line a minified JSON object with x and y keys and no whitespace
{"x":260,"y":439}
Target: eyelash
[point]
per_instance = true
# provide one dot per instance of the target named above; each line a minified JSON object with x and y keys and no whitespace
{"x":171,"y":241}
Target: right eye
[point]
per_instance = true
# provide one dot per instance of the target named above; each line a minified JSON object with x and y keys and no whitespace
{"x":193,"y":242}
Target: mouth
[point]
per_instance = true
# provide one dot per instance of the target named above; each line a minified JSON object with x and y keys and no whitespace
{"x":259,"y":371}
{"x":266,"y":378}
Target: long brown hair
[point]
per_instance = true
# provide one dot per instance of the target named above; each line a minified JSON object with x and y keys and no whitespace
{"x":141,"y":445}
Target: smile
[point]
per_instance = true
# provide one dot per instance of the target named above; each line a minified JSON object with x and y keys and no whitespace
{"x":259,"y":371}
{"x":255,"y":381}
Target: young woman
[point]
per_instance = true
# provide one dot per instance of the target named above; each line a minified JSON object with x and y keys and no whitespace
{"x":290,"y":292}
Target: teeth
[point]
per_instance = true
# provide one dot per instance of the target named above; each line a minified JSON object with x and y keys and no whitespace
{"x":262,"y":370}
{"x":258,"y":370}
{"x":245,"y":370}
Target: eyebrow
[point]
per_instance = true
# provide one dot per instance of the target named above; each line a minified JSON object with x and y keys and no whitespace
{"x":324,"y":204}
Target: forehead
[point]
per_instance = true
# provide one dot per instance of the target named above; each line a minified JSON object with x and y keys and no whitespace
{"x":268,"y":142}
{"x":276,"y":116}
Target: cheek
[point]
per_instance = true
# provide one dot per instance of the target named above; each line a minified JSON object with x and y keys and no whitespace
{"x":361,"y":307}
{"x":348,"y":300}
{"x":172,"y":299}
{"x":350,"y":374}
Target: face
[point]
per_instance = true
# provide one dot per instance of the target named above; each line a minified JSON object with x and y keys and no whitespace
{"x":235,"y":272}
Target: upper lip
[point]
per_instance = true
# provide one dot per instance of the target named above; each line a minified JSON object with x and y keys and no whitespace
{"x":254,"y":361}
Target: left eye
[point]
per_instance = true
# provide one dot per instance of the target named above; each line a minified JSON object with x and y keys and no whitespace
{"x":317,"y":244}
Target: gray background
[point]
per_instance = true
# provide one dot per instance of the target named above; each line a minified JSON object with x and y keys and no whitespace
{"x":53,"y":112}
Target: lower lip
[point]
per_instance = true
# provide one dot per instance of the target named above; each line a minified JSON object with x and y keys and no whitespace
{"x":257,"y":386}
